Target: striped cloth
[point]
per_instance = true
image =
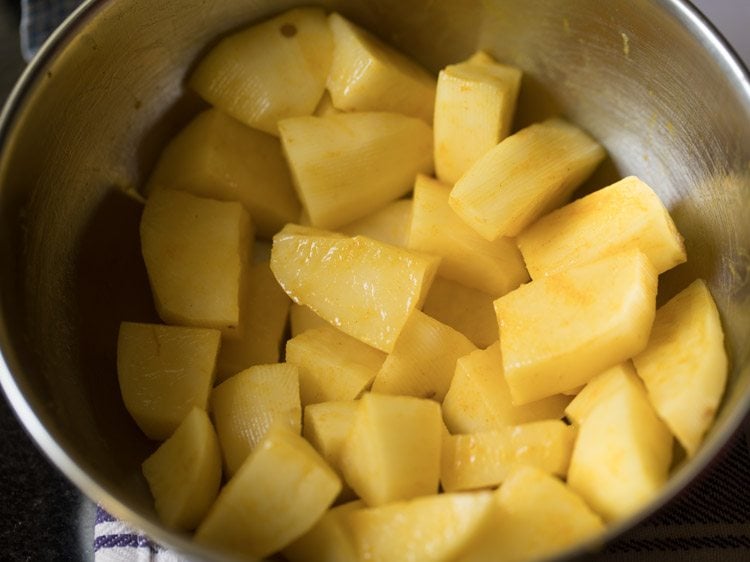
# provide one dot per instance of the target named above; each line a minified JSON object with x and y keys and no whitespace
{"x":39,"y":18}
{"x":116,"y":541}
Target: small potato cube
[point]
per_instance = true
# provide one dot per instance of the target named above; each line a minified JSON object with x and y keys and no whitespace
{"x":363,"y":287}
{"x":269,"y":71}
{"x":281,"y":490}
{"x":368,"y":75}
{"x":479,"y":398}
{"x":423,"y":360}
{"x":330,"y":540}
{"x":184,"y":474}
{"x":492,"y":267}
{"x":626,"y":215}
{"x":248,"y":404}
{"x":218,"y":157}
{"x":474,"y":108}
{"x":346,"y":166}
{"x":484,"y":459}
{"x":597,"y":389}
{"x":196,"y":252}
{"x":332,"y":365}
{"x":621,"y":457}
{"x":165,"y":371}
{"x":436,"y":528}
{"x":262,"y":326}
{"x":558,"y":332}
{"x":325,"y":106}
{"x":466,"y":310}
{"x":393,"y":451}
{"x":390,"y":224}
{"x":302,"y":318}
{"x":684,"y":365}
{"x":525,"y":176}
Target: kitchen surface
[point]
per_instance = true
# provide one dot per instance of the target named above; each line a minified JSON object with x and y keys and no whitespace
{"x":43,"y":517}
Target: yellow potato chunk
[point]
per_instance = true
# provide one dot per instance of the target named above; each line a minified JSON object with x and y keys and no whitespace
{"x":165,"y":371}
{"x":485,"y":459}
{"x":597,"y":389}
{"x":330,"y":540}
{"x":270,"y":71}
{"x":332,"y":365}
{"x":365,"y":288}
{"x":390,"y":224}
{"x":621,"y":457}
{"x":423,"y":360}
{"x":535,"y":516}
{"x":368,"y":75}
{"x":492,"y":267}
{"x":525,"y":176}
{"x":558,"y":332}
{"x":196,"y":252}
{"x":247,"y":405}
{"x":393,"y":451}
{"x":479,"y":398}
{"x":474,"y":108}
{"x":281,"y":490}
{"x":334,"y":158}
{"x":626,"y":215}
{"x":325,"y":106}
{"x":262,"y":325}
{"x":464,"y":309}
{"x":302,"y":318}
{"x":184,"y":474}
{"x":218,"y":157}
{"x":684,"y":365}
{"x":435,"y":528}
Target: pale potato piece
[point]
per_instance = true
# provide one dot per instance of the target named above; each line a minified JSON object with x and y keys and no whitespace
{"x":597,"y":389}
{"x":363,"y":287}
{"x":423,"y":359}
{"x":218,"y":157}
{"x":393,"y":451}
{"x":163,"y":372}
{"x":434,"y":528}
{"x":525,"y":176}
{"x":184,"y":473}
{"x":302,"y":318}
{"x":346,"y":166}
{"x":196,"y":252}
{"x":492,"y":267}
{"x":368,"y":75}
{"x":246,"y":406}
{"x":485,"y":459}
{"x":390,"y":224}
{"x":558,"y":332}
{"x":625,"y":215}
{"x":281,"y":490}
{"x":479,"y":398}
{"x":685,"y":364}
{"x":269,"y":71}
{"x":330,"y":540}
{"x":325,"y":106}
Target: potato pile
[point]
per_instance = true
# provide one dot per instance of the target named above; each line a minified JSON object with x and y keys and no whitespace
{"x":476,"y":369}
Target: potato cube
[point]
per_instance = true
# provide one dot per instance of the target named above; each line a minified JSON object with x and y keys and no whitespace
{"x":479,"y":398}
{"x":434,"y":528}
{"x":302,"y":318}
{"x":390,"y":224}
{"x":163,"y":372}
{"x":269,"y":71}
{"x":621,"y":457}
{"x":348,"y":165}
{"x":684,"y":365}
{"x":330,"y":540}
{"x":597,"y":389}
{"x":325,"y":106}
{"x":525,"y":176}
{"x":558,"y":332}
{"x":363,"y":287}
{"x":474,"y":108}
{"x":368,"y":75}
{"x":485,"y":459}
{"x":625,"y":215}
{"x":423,"y":360}
{"x":262,"y":325}
{"x":393,"y":451}
{"x":184,"y":474}
{"x":281,"y":490}
{"x":492,"y":267}
{"x":248,"y":404}
{"x":218,"y":157}
{"x":196,"y":252}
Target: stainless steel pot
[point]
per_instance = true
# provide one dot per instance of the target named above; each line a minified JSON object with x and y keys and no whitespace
{"x":650,"y":79}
